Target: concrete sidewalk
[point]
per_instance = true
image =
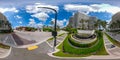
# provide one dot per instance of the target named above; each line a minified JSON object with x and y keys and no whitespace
{"x":114,"y":53}
{"x":5,"y":52}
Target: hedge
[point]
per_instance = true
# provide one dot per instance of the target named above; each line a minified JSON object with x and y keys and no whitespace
{"x":77,"y":44}
{"x":68,"y":48}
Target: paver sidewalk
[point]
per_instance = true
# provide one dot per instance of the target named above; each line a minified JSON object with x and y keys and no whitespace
{"x":113,"y":51}
{"x":58,"y":40}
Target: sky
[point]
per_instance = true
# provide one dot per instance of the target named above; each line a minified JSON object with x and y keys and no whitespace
{"x":27,"y":13}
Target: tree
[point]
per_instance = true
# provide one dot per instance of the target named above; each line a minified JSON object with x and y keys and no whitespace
{"x":52,"y":22}
{"x":103,"y":23}
{"x":118,"y":24}
{"x":83,"y":26}
{"x":96,"y":25}
{"x":0,"y":23}
{"x":113,"y":25}
{"x":58,"y":27}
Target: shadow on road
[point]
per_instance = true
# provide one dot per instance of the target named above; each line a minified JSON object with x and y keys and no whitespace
{"x":21,"y":41}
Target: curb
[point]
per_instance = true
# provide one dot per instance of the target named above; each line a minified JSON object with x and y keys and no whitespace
{"x":28,"y":45}
{"x":6,"y":54}
{"x":105,"y":43}
{"x":25,"y":46}
{"x":89,"y":57}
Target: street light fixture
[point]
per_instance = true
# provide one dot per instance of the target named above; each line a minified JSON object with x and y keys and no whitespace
{"x":54,"y":33}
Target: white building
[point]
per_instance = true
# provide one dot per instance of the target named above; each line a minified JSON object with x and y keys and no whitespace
{"x":82,"y":21}
{"x":115,"y":22}
{"x":4,"y":24}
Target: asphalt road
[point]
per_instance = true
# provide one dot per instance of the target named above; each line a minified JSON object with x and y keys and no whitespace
{"x":24,"y":54}
{"x":36,"y":36}
{"x":38,"y":54}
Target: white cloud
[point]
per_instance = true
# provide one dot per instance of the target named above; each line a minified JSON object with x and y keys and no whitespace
{"x":41,"y":16}
{"x":34,"y":8}
{"x":13,"y":9}
{"x":17,"y":16}
{"x":76,"y":7}
{"x":108,"y":21}
{"x":32,"y":23}
{"x":39,"y":25}
{"x":92,"y":8}
{"x":20,"y":22}
{"x":106,"y":8}
{"x":40,"y":13}
{"x":60,"y":22}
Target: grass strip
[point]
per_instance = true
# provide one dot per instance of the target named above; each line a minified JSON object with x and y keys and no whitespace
{"x":77,"y":44}
{"x":115,"y":42}
{"x":100,"y":49}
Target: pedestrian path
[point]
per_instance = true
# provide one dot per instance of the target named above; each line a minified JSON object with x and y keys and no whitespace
{"x":112,"y":51}
{"x":58,"y":40}
{"x":111,"y":48}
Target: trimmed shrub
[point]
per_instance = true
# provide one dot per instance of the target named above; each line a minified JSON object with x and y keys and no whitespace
{"x":77,"y":44}
{"x":6,"y":31}
{"x":71,"y":30}
{"x":69,"y":48}
{"x":30,"y":29}
{"x":47,"y":29}
{"x":84,"y":36}
{"x":4,"y":46}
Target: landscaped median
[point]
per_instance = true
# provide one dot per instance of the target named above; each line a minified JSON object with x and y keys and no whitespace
{"x":4,"y":50}
{"x":4,"y":46}
{"x":69,"y":50}
{"x":81,"y":45}
{"x":57,"y":36}
{"x":115,"y":42}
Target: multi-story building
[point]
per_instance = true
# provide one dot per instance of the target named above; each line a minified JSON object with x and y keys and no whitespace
{"x":82,"y":21}
{"x":115,"y":22}
{"x":4,"y":24}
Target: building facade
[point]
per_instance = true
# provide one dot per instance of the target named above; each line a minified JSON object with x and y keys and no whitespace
{"x":4,"y":24}
{"x":115,"y":22}
{"x":82,"y":21}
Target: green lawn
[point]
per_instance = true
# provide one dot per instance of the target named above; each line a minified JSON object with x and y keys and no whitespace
{"x":66,"y":50}
{"x":4,"y":46}
{"x":113,"y":40}
{"x":62,"y":54}
{"x":77,"y":44}
{"x":57,"y":36}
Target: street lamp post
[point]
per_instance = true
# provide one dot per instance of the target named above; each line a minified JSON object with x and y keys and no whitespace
{"x":54,"y":33}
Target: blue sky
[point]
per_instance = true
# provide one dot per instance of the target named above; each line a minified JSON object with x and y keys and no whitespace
{"x":26,"y":13}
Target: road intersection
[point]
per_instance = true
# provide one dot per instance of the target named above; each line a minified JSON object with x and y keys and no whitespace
{"x":45,"y":47}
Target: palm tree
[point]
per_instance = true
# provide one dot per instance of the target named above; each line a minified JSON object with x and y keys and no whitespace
{"x":96,"y":25}
{"x":7,"y":23}
{"x":82,"y":21}
{"x":52,"y":22}
{"x":113,"y":25}
{"x":88,"y":26}
{"x":0,"y":23}
{"x":118,"y":23}
{"x":103,"y":23}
